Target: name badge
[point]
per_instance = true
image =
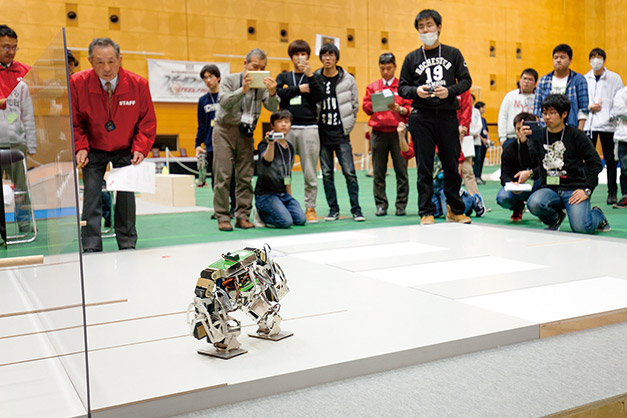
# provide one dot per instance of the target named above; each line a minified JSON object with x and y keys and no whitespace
{"x":553,"y":180}
{"x":287,"y":181}
{"x":213,"y":123}
{"x":296,"y":101}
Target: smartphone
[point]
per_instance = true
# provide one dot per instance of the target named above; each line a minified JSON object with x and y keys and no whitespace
{"x":536,"y":129}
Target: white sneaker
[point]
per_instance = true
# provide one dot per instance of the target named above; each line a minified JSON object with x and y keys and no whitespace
{"x":257,"y":219}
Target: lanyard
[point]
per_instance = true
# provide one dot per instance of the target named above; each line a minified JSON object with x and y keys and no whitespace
{"x":211,"y":97}
{"x":547,"y":135}
{"x":439,"y":51}
{"x":289,"y":158}
{"x":299,"y":81}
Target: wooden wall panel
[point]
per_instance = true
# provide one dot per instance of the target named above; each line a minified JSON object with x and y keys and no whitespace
{"x":197,"y":30}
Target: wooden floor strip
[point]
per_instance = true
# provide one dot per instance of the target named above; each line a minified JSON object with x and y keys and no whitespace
{"x":566,"y":326}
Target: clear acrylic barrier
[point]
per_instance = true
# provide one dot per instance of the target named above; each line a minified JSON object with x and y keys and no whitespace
{"x":42,"y":309}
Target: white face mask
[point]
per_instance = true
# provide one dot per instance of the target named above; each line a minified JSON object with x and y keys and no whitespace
{"x":596,"y":64}
{"x":428,"y":38}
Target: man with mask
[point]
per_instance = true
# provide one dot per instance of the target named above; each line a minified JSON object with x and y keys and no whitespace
{"x":239,"y":110}
{"x":603,"y":85}
{"x":432,"y":77}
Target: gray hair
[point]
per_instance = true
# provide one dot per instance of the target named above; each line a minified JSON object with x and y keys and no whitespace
{"x":256,"y":53}
{"x":103,"y":43}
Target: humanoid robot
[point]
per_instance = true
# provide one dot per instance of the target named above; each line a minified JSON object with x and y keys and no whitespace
{"x":246,"y":280}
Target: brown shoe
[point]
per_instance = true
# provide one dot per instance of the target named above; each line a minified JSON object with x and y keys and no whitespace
{"x":310,"y":215}
{"x":225,"y":226}
{"x":244,"y":224}
{"x":452,"y":217}
{"x":427,"y":220}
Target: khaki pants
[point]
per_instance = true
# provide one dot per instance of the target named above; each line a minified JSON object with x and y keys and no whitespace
{"x":306,"y":144}
{"x":469,"y":177}
{"x":232,"y":150}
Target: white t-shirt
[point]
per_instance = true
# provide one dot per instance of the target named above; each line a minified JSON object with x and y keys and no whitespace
{"x":559,"y":85}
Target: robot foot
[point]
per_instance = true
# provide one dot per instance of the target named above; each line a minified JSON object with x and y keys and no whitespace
{"x":274,"y":337}
{"x":223,"y":354}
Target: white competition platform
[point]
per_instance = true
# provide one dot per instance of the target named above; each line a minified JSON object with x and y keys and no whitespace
{"x":360,"y":302}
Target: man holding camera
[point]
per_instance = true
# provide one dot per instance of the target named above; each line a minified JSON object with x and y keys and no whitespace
{"x":240,"y":107}
{"x":273,"y":192}
{"x":300,"y":91}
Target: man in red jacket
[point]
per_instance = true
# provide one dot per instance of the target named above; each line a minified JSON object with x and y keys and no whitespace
{"x":114,"y":121}
{"x":11,"y":71}
{"x":384,"y":139}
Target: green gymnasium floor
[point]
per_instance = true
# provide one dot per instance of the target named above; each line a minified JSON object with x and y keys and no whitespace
{"x":197,"y":227}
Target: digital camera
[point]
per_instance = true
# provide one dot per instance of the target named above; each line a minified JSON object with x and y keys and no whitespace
{"x":275,"y":135}
{"x":247,"y":129}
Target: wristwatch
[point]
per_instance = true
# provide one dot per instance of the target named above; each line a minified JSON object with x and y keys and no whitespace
{"x":587,"y":191}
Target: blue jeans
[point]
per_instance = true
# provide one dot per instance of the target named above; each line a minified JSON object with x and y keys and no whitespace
{"x":344,"y":153}
{"x":280,"y":210}
{"x":547,"y":204}
{"x":512,"y":201}
{"x":439,"y":200}
{"x":622,"y":157}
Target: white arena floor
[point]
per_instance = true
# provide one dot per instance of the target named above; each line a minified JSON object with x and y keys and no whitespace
{"x":360,"y":302}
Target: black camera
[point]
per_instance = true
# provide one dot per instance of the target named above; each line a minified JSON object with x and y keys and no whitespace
{"x":431,"y":89}
{"x":247,"y":129}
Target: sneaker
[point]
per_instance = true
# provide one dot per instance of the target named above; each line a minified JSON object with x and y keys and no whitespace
{"x":427,"y":220}
{"x":479,"y":206}
{"x":381,"y":211}
{"x":555,"y":226}
{"x":310,"y":215}
{"x":517,"y":215}
{"x":611,"y":199}
{"x":400,"y":212}
{"x":333,"y":215}
{"x":621,"y":204}
{"x":107,"y":222}
{"x":257,"y":221}
{"x":480,"y":182}
{"x":358,"y":216}
{"x":605,"y":225}
{"x":452,"y":217}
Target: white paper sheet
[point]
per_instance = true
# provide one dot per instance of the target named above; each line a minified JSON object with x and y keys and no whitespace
{"x":516,"y":187}
{"x":133,"y":178}
{"x":468,"y":146}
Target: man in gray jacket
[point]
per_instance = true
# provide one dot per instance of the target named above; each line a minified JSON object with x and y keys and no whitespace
{"x":240,"y":107}
{"x":338,"y":112}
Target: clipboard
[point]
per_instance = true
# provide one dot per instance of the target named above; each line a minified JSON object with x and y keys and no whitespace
{"x":381,"y":100}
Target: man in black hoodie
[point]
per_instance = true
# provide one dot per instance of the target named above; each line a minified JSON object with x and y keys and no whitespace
{"x":565,"y":161}
{"x":433,"y":76}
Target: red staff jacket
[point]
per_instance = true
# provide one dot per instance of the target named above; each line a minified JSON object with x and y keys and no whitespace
{"x":130,"y":110}
{"x":9,"y":77}
{"x":389,"y":120}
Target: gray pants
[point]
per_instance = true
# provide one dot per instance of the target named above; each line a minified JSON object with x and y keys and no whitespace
{"x":232,"y":150}
{"x":306,"y":144}
{"x":384,"y":143}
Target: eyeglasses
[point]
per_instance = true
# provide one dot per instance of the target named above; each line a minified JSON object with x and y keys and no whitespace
{"x":550,"y":113}
{"x":7,"y":48}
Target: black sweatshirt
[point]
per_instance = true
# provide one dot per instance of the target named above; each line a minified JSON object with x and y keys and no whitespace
{"x":510,"y":163}
{"x":581,"y":163}
{"x":271,"y":174}
{"x":304,"y":113}
{"x":447,"y":70}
